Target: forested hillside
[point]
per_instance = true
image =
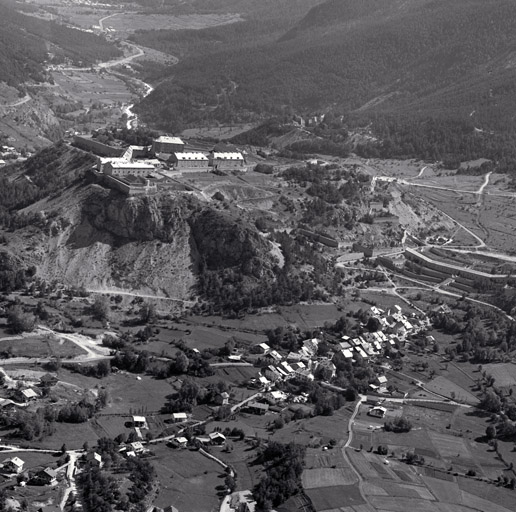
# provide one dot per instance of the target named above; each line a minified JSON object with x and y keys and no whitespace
{"x":424,"y":57}
{"x":27,"y":41}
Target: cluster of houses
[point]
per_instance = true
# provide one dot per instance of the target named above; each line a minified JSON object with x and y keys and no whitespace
{"x":394,"y":329}
{"x":213,"y":439}
{"x":9,"y":154}
{"x":300,"y":365}
{"x":23,"y":391}
{"x":16,"y":466}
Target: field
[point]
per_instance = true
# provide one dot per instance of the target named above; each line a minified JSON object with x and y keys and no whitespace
{"x":397,"y":487}
{"x":90,"y":87}
{"x":242,"y":459}
{"x":504,"y":374}
{"x":449,"y":389}
{"x":200,"y":333}
{"x":303,"y":316}
{"x":316,"y":430}
{"x":326,"y":469}
{"x":129,"y":395}
{"x":189,"y":481}
{"x":331,"y":498}
{"x":39,"y":346}
{"x":72,"y":435}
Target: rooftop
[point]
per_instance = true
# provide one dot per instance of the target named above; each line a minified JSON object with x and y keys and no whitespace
{"x":169,"y":140}
{"x":130,"y":165}
{"x":191,"y":156}
{"x":228,"y":156}
{"x":29,"y":393}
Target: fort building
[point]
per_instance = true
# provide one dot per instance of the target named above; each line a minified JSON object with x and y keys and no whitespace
{"x":226,"y":161}
{"x":189,"y":161}
{"x":123,"y":168}
{"x":169,"y":145}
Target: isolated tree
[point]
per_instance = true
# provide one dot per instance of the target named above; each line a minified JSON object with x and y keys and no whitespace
{"x":180,"y":364}
{"x":100,"y":308}
{"x":19,"y":321}
{"x":230,"y":483}
{"x":491,"y":432}
{"x":147,"y":313}
{"x":491,"y":402}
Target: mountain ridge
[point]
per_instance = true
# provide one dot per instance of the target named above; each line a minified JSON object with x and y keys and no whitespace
{"x":343,"y":54}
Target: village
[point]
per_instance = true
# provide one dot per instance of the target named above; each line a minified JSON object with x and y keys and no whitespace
{"x":261,"y":395}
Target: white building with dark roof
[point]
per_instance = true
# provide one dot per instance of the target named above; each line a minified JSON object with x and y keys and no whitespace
{"x":13,"y":465}
{"x":226,"y":161}
{"x":189,"y":161}
{"x":123,"y":168}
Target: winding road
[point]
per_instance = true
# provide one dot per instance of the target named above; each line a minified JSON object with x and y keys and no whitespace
{"x":18,"y":103}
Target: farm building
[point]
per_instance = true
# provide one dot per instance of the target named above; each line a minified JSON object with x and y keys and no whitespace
{"x":137,"y":447}
{"x":276,"y":396}
{"x":178,"y":417}
{"x":273,"y":356}
{"x":121,"y":168}
{"x":226,"y":161}
{"x":14,"y":465}
{"x":222,"y":398}
{"x":262,"y":348}
{"x":28,"y":394}
{"x":217,"y":438}
{"x":189,"y":161}
{"x":257,"y":407}
{"x":179,"y":442}
{"x":377,"y":412}
{"x":168,"y":145}
{"x":45,"y":476}
{"x":94,"y":458}
{"x":139,"y":422}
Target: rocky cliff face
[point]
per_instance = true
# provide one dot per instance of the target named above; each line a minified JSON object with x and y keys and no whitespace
{"x":102,"y":240}
{"x":225,"y":242}
{"x":147,"y":218}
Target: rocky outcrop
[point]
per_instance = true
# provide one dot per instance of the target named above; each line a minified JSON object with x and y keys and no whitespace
{"x":151,"y":245}
{"x":145,"y":218}
{"x":223,"y":242}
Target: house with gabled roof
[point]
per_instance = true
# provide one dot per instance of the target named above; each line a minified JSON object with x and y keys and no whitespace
{"x":46,"y":476}
{"x":13,"y":465}
{"x":217,"y":438}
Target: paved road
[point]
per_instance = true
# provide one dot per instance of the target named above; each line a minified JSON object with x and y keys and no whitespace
{"x":123,"y":60}
{"x":102,"y":20}
{"x":361,"y":399}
